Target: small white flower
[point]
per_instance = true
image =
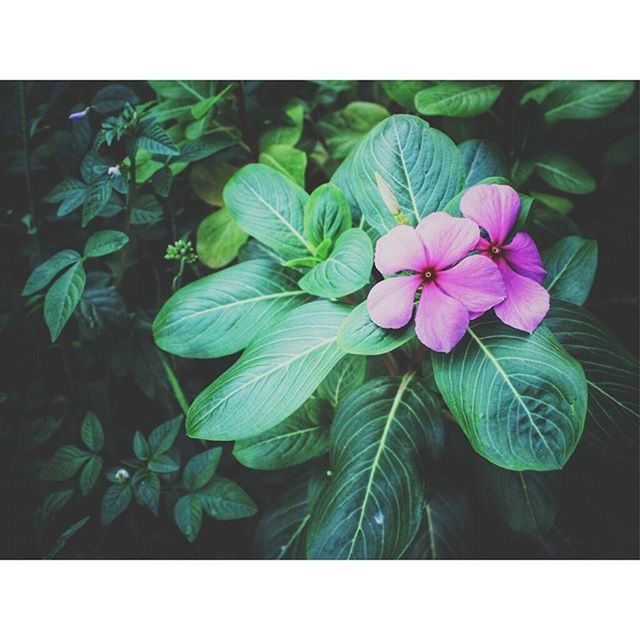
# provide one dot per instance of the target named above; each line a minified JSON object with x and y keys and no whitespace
{"x":122,"y":475}
{"x":114,"y":172}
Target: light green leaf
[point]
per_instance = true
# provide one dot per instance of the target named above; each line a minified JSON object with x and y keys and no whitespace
{"x":457,"y":99}
{"x":207,"y":181}
{"x":612,"y":378}
{"x":62,"y":299}
{"x":221,"y":313}
{"x":275,"y":375}
{"x":116,"y":499}
{"x":103,"y":243}
{"x":383,"y":439}
{"x":422,"y":165}
{"x":520,"y":399}
{"x":295,"y":440}
{"x":200,"y":469}
{"x":91,"y":432}
{"x":359,"y":335}
{"x":43,"y":274}
{"x":289,"y":132}
{"x":571,"y":267}
{"x":585,"y":100}
{"x":404,"y":91}
{"x":223,"y":499}
{"x":289,"y":161}
{"x":219,"y":239}
{"x":270,"y":208}
{"x":326,"y":215}
{"x":346,"y":270}
{"x":188,"y":516}
{"x":557,"y":203}
{"x":482,"y":159}
{"x":90,"y":474}
{"x":346,"y":376}
{"x":563,"y":173}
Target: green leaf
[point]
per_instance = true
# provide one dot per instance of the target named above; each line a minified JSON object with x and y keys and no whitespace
{"x":188,"y":516}
{"x":97,"y":197}
{"x":482,"y":159}
{"x":223,"y":499}
{"x":146,"y":489}
{"x":115,"y":501}
{"x":571,"y":267}
{"x":221,"y":313}
{"x":162,"y":437}
{"x":163,"y":463}
{"x":44,"y":273}
{"x":383,"y":438}
{"x":359,"y":335}
{"x":65,"y":463}
{"x":146,"y":209}
{"x":200,"y":469}
{"x":295,"y":440}
{"x":162,"y":181}
{"x":90,"y":474}
{"x":326,"y":215}
{"x":343,"y":130}
{"x":274,"y":376}
{"x":346,"y":270}
{"x":289,"y":132}
{"x":71,"y":193}
{"x":62,"y":299}
{"x":290,"y":162}
{"x":346,"y":376}
{"x":585,"y":100}
{"x":156,"y":140}
{"x":457,"y":99}
{"x":91,"y":432}
{"x":520,"y":399}
{"x":403,"y":91}
{"x":563,"y":173}
{"x":270,"y":208}
{"x":52,"y":503}
{"x":141,"y":447}
{"x":112,"y":98}
{"x":207,"y":181}
{"x":525,"y":500}
{"x":205,"y":147}
{"x":219,"y":239}
{"x":422,"y":165}
{"x":612,"y":378}
{"x":103,"y":243}
{"x":62,"y":540}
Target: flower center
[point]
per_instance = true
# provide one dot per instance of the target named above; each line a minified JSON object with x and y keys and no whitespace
{"x":495,"y":250}
{"x":429,"y":275}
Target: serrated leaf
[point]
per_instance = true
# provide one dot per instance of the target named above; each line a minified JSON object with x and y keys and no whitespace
{"x":221,"y":313}
{"x":219,"y":239}
{"x":162,"y":437}
{"x":384,"y":437}
{"x":457,"y":99}
{"x":273,"y":377}
{"x":482,"y":159}
{"x":200,"y":469}
{"x":65,"y":463}
{"x":91,"y":432}
{"x":43,"y":274}
{"x":520,"y":399}
{"x":223,"y":499}
{"x":115,"y":501}
{"x":571,"y":267}
{"x":563,"y":173}
{"x":359,"y":335}
{"x":90,"y":474}
{"x":62,"y":299}
{"x":345,"y":271}
{"x":188,"y":516}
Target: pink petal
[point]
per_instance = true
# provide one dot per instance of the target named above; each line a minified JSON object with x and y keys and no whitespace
{"x":494,"y":207}
{"x":441,"y":321}
{"x":390,"y":302}
{"x":447,"y":239}
{"x":527,"y":302}
{"x":524,"y":258}
{"x":483,"y":245}
{"x":476,"y":282}
{"x":400,"y":249}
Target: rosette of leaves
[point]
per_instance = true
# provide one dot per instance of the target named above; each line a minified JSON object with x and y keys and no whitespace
{"x":316,"y":376}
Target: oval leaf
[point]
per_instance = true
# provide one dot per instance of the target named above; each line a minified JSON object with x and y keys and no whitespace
{"x":457,"y":99}
{"x":62,"y":299}
{"x":563,"y":173}
{"x":44,"y":273}
{"x":103,"y":243}
{"x":219,"y":239}
{"x":482,"y":159}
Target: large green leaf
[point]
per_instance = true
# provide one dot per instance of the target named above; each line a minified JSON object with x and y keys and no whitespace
{"x":571,"y":267}
{"x":219,"y":239}
{"x":423,"y":167}
{"x":563,"y":173}
{"x":482,"y":159}
{"x":383,"y":438}
{"x":612,"y":378}
{"x":359,"y":335}
{"x":43,"y":274}
{"x":221,"y":313}
{"x":520,"y":399}
{"x":269,"y":207}
{"x":288,"y":131}
{"x":62,"y":299}
{"x":457,"y":99}
{"x":583,"y":100}
{"x":346,"y":376}
{"x":346,"y":270}
{"x":289,"y":161}
{"x":403,"y":91}
{"x":273,"y":377}
{"x":295,"y":440}
{"x":326,"y":214}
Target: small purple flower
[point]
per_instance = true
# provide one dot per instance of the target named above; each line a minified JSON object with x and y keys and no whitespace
{"x":79,"y":115}
{"x":495,"y":208}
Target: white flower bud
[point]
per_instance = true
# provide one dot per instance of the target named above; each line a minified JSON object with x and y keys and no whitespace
{"x":387,"y":195}
{"x":122,"y":475}
{"x":114,"y":172}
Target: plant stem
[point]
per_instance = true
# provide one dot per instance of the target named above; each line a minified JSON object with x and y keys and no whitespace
{"x":131,"y":194}
{"x":244,"y":122}
{"x":175,"y":385}
{"x":27,"y":160}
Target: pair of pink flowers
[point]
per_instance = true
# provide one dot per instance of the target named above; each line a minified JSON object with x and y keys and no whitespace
{"x":462,"y":274}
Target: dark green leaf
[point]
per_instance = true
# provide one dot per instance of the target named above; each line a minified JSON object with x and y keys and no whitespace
{"x":114,"y":502}
{"x":44,"y":273}
{"x":163,"y":463}
{"x":103,"y":243}
{"x":482,"y":159}
{"x":141,"y":447}
{"x":90,"y":474}
{"x":223,"y":499}
{"x":200,"y":469}
{"x":563,"y":173}
{"x":91,"y":432}
{"x":62,"y":540}
{"x":62,"y":299}
{"x":188,"y":516}
{"x":65,"y":463}
{"x":162,"y":437}
{"x":346,"y":376}
{"x":146,"y":489}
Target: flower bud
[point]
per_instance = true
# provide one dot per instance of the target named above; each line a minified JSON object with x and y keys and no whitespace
{"x":79,"y":115}
{"x":122,"y":475}
{"x":387,"y":195}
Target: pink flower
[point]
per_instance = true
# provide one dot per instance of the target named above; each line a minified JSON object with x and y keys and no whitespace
{"x":495,"y":208}
{"x":454,"y":284}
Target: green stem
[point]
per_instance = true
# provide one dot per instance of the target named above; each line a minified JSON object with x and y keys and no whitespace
{"x":175,"y":385}
{"x":27,"y":160}
{"x":131,"y":194}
